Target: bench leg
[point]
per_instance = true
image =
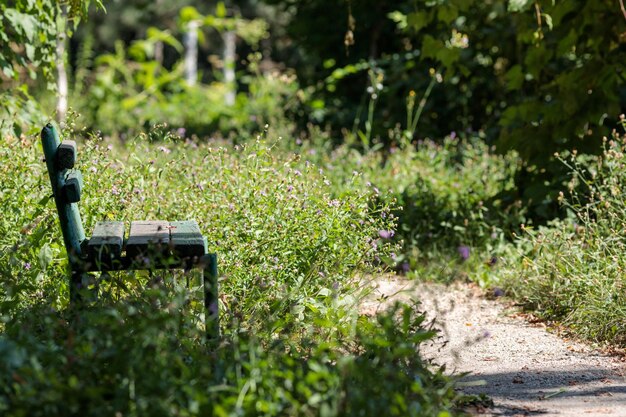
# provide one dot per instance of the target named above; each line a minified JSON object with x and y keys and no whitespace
{"x":211,"y":304}
{"x":76,"y":284}
{"x":81,"y":284}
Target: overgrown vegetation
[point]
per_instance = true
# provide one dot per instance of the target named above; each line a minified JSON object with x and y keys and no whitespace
{"x":572,"y":271}
{"x":290,"y":251}
{"x":442,"y":139}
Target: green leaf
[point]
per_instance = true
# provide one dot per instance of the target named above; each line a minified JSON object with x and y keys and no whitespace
{"x":548,"y":19}
{"x":518,"y":5}
{"x":417,"y":21}
{"x":24,"y":24}
{"x":447,"y":14}
{"x":399,"y":18}
{"x":45,"y":256}
{"x":220,"y":10}
{"x":514,"y":78}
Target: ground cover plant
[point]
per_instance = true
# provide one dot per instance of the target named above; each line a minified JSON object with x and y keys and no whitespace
{"x":290,"y":255}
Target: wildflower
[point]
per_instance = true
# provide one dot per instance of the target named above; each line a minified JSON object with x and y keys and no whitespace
{"x":27,"y":266}
{"x":452,"y":135}
{"x":405,"y":267}
{"x":164,"y":149}
{"x":334,"y":203}
{"x":464,"y":252}
{"x":115,"y":190}
{"x":290,"y":188}
{"x":321,"y":274}
{"x":181,"y":131}
{"x":326,"y":182}
{"x":93,"y":169}
{"x":297,"y":173}
{"x":386,"y":234}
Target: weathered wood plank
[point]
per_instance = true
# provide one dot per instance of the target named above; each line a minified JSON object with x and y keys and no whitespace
{"x":186,"y":239}
{"x":72,"y":186}
{"x":66,"y":155}
{"x":148,"y":239}
{"x":105,"y":246}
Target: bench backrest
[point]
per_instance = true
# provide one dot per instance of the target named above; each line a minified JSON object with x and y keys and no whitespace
{"x":66,"y":185}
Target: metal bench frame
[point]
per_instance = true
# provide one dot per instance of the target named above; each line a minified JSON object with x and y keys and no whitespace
{"x":150,"y":245}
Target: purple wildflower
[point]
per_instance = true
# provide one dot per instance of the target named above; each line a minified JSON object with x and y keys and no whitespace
{"x":452,"y":135}
{"x":464,"y":252}
{"x":181,"y":132}
{"x":386,"y":234}
{"x":405,"y":267}
{"x":290,"y":188}
{"x":297,"y":173}
{"x":27,"y":266}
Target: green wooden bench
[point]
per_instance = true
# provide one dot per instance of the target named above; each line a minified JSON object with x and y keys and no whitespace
{"x":150,"y":245}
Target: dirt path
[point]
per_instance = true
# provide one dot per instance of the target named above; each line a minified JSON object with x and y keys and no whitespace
{"x":523,"y":368}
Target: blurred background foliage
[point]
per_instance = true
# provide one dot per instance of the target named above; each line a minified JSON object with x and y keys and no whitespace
{"x":536,"y":77}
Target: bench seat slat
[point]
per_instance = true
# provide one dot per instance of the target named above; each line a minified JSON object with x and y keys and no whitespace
{"x":148,"y":238}
{"x":186,"y":239}
{"x":105,"y":245}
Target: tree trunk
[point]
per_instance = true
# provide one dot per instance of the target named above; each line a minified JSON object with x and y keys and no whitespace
{"x":62,"y":85}
{"x":191,"y":53}
{"x":230,"y":39}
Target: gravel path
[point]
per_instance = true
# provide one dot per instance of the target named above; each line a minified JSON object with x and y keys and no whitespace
{"x":523,"y":368}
